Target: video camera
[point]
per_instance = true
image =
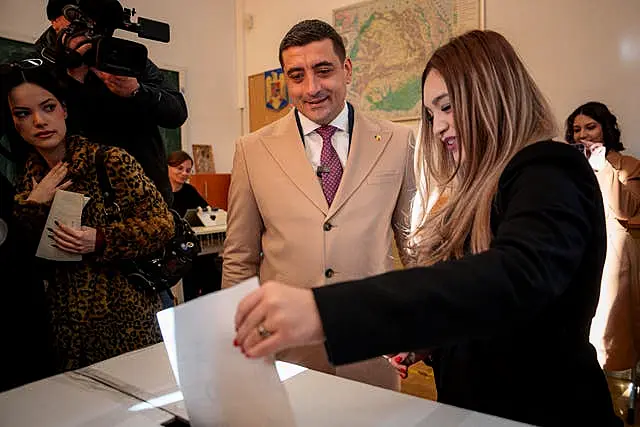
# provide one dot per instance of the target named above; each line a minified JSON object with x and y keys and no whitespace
{"x":95,"y":22}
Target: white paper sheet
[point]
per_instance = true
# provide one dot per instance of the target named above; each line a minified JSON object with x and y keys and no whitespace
{"x":66,"y":208}
{"x":221,"y":387}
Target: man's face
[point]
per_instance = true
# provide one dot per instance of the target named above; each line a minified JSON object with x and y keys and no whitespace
{"x":317,"y":80}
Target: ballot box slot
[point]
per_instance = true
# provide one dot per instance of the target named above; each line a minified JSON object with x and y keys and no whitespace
{"x":131,"y":391}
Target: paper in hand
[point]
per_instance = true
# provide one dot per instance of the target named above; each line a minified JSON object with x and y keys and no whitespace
{"x":221,"y":387}
{"x":66,"y":209}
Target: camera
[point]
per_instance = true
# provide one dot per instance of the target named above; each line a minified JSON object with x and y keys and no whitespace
{"x":94,"y":22}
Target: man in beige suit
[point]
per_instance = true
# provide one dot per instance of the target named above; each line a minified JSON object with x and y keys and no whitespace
{"x":316,"y":197}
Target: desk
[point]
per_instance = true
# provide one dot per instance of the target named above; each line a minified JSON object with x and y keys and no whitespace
{"x":317,"y":399}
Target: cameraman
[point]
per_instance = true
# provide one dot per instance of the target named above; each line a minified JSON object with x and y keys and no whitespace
{"x":118,"y":110}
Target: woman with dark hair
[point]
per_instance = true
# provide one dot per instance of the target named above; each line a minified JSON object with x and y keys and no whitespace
{"x":206,"y":273}
{"x":615,"y":330}
{"x":185,"y":196}
{"x":582,"y":126}
{"x":96,"y":313}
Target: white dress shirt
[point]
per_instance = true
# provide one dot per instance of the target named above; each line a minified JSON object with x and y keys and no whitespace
{"x":313,"y":140}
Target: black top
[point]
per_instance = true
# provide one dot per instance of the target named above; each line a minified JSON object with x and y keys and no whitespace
{"x":187,"y":198}
{"x":508,"y":327}
{"x":129,"y":123}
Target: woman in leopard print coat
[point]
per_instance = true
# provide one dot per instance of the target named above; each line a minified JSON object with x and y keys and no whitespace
{"x":96,"y":313}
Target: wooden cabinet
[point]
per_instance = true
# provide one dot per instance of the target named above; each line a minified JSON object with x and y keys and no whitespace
{"x":214,"y":187}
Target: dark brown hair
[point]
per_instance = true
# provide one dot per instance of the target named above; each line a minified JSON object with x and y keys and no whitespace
{"x":177,"y":158}
{"x":312,"y":30}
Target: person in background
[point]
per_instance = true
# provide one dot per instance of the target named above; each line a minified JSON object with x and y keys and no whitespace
{"x":185,"y":196}
{"x":96,"y":313}
{"x":615,"y":331}
{"x":206,"y":273}
{"x":320,"y":195}
{"x":509,"y":265}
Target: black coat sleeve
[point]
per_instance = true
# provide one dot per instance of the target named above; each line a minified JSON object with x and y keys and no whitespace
{"x":166,"y":106}
{"x":197,"y":199}
{"x":537,"y":248}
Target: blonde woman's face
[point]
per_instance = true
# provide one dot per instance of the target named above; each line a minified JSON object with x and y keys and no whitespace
{"x":440,"y":112}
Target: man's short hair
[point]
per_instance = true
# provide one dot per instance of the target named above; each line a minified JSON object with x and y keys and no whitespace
{"x":312,"y":30}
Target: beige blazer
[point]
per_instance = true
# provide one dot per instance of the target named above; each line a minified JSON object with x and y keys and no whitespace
{"x":615,"y":329}
{"x":280,"y":227}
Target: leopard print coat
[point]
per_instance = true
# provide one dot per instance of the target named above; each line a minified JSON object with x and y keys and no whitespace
{"x":96,"y":313}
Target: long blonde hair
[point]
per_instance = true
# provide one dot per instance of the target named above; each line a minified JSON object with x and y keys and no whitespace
{"x":497,"y":110}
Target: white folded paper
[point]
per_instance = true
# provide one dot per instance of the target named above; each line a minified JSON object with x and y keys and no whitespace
{"x":66,"y":208}
{"x":221,"y":387}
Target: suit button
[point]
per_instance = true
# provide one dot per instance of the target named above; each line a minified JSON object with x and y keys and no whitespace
{"x":328,"y":273}
{"x":327,"y":226}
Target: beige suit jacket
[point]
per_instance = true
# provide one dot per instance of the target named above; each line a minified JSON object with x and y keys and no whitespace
{"x":280,"y":227}
{"x":615,"y":328}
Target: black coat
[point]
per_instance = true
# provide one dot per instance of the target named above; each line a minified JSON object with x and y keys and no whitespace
{"x":129,"y":123}
{"x":187,"y":198}
{"x":509,"y":327}
{"x":27,"y":354}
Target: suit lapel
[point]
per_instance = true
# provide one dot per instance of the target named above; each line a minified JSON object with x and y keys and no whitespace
{"x":368,"y":142}
{"x":287,"y":150}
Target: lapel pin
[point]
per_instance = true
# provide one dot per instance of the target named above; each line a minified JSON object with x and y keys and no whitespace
{"x":377,"y":137}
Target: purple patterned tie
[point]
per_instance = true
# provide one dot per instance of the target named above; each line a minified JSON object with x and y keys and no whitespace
{"x":331,"y":168}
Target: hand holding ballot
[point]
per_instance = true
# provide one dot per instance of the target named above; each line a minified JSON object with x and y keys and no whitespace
{"x":274,"y":317}
{"x":215,"y":379}
{"x":66,"y":211}
{"x":75,"y":240}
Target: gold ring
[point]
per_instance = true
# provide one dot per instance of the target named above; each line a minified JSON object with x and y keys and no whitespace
{"x":263,"y":332}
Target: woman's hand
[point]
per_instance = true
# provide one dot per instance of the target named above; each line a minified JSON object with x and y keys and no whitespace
{"x":402,"y":361}
{"x":596,"y":153}
{"x":275,"y":317}
{"x":120,"y":85}
{"x":74,"y":240}
{"x":43,"y":191}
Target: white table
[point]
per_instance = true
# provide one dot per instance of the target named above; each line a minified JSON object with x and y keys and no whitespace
{"x":317,"y":399}
{"x":211,"y":238}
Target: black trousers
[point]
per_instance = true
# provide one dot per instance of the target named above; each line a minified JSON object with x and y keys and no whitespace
{"x":205,"y":277}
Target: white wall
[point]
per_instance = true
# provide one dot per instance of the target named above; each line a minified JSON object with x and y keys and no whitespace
{"x":202,"y":47}
{"x":577,"y":50}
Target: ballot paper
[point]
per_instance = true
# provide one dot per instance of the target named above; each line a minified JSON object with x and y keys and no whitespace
{"x":66,"y":208}
{"x":221,"y":387}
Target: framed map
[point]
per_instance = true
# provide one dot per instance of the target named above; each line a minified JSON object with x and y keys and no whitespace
{"x":389,"y":43}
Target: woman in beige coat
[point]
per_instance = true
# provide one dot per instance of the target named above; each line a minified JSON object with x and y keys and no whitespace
{"x":615,"y":330}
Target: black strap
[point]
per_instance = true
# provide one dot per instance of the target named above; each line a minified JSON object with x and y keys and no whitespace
{"x":112,"y":210}
{"x":351,"y":119}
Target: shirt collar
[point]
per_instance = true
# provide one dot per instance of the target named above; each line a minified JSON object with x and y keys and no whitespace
{"x":341,"y":122}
